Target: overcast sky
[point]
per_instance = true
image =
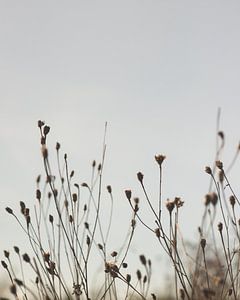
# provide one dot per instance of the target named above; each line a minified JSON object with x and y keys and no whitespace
{"x":156,"y":71}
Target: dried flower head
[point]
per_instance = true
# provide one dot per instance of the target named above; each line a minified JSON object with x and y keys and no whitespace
{"x":232,"y":200}
{"x":208,"y":170}
{"x":219,"y":164}
{"x":143,"y":259}
{"x":109,"y":189}
{"x":220,"y":227}
{"x":170,"y":205}
{"x":140,"y":176}
{"x":214,"y":198}
{"x":128,"y":194}
{"x":221,"y":176}
{"x":160,"y":158}
{"x":203,"y":243}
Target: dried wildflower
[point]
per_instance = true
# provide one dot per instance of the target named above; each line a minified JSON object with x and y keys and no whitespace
{"x":154,"y":296}
{"x":232,"y":200}
{"x":139,"y":275}
{"x":133,"y":223}
{"x":143,"y":259}
{"x":220,"y":227}
{"x":114,"y":254}
{"x":86,"y":225}
{"x":124,"y":265}
{"x":207,"y":199}
{"x":50,"y":218}
{"x":70,"y":218}
{"x":109,"y":189}
{"x":84,"y":184}
{"x":178,"y":202}
{"x":94,"y":163}
{"x":221,"y":134}
{"x":112,"y":268}
{"x":46,"y":130}
{"x":128,"y":194}
{"x":16,"y":249}
{"x":214,"y":198}
{"x":99,"y":167}
{"x":88,"y":240}
{"x":46,"y":256}
{"x":157,"y":232}
{"x":221,"y":176}
{"x":18,"y":282}
{"x":38,"y":194}
{"x":26,"y":258}
{"x":6,"y":253}
{"x":160,"y":158}
{"x":128,"y":278}
{"x":100,"y":246}
{"x":44,"y":152}
{"x":72,"y":174}
{"x":4,"y":264}
{"x":208,"y":170}
{"x":182,"y":294}
{"x":40,"y":123}
{"x":219,"y":164}
{"x":170,"y":205}
{"x":9,"y":210}
{"x":140,"y":176}
{"x":13,"y":289}
{"x":77,"y":289}
{"x":74,"y":197}
{"x":38,"y":179}
{"x":58,"y":146}
{"x":203,"y":243}
{"x":145,"y":279}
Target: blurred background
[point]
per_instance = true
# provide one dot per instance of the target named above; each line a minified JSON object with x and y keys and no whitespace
{"x":156,"y":71}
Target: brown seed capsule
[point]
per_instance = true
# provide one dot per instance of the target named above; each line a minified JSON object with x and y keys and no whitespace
{"x":5,"y":266}
{"x":74,"y":197}
{"x":221,"y":176}
{"x":208,"y":170}
{"x":143,"y":259}
{"x":26,"y":258}
{"x":9,"y":210}
{"x":139,"y":274}
{"x":170,"y":206}
{"x":232,"y":200}
{"x":6,"y":253}
{"x":128,"y":194}
{"x":114,"y":254}
{"x":46,"y":130}
{"x":128,"y":278}
{"x":203,"y":243}
{"x":140,"y":176}
{"x":220,"y":227}
{"x":219,"y":164}
{"x":38,"y":194}
{"x":157,"y":232}
{"x":58,"y":146}
{"x":40,"y":123}
{"x":100,"y":246}
{"x":13,"y":289}
{"x":50,"y":218}
{"x":16,"y":249}
{"x":160,"y":158}
{"x":109,"y":189}
{"x":214,"y":198}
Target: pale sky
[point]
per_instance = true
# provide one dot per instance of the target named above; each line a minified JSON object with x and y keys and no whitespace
{"x":156,"y":71}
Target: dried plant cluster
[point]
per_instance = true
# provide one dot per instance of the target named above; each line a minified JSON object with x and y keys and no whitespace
{"x":69,"y":239}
